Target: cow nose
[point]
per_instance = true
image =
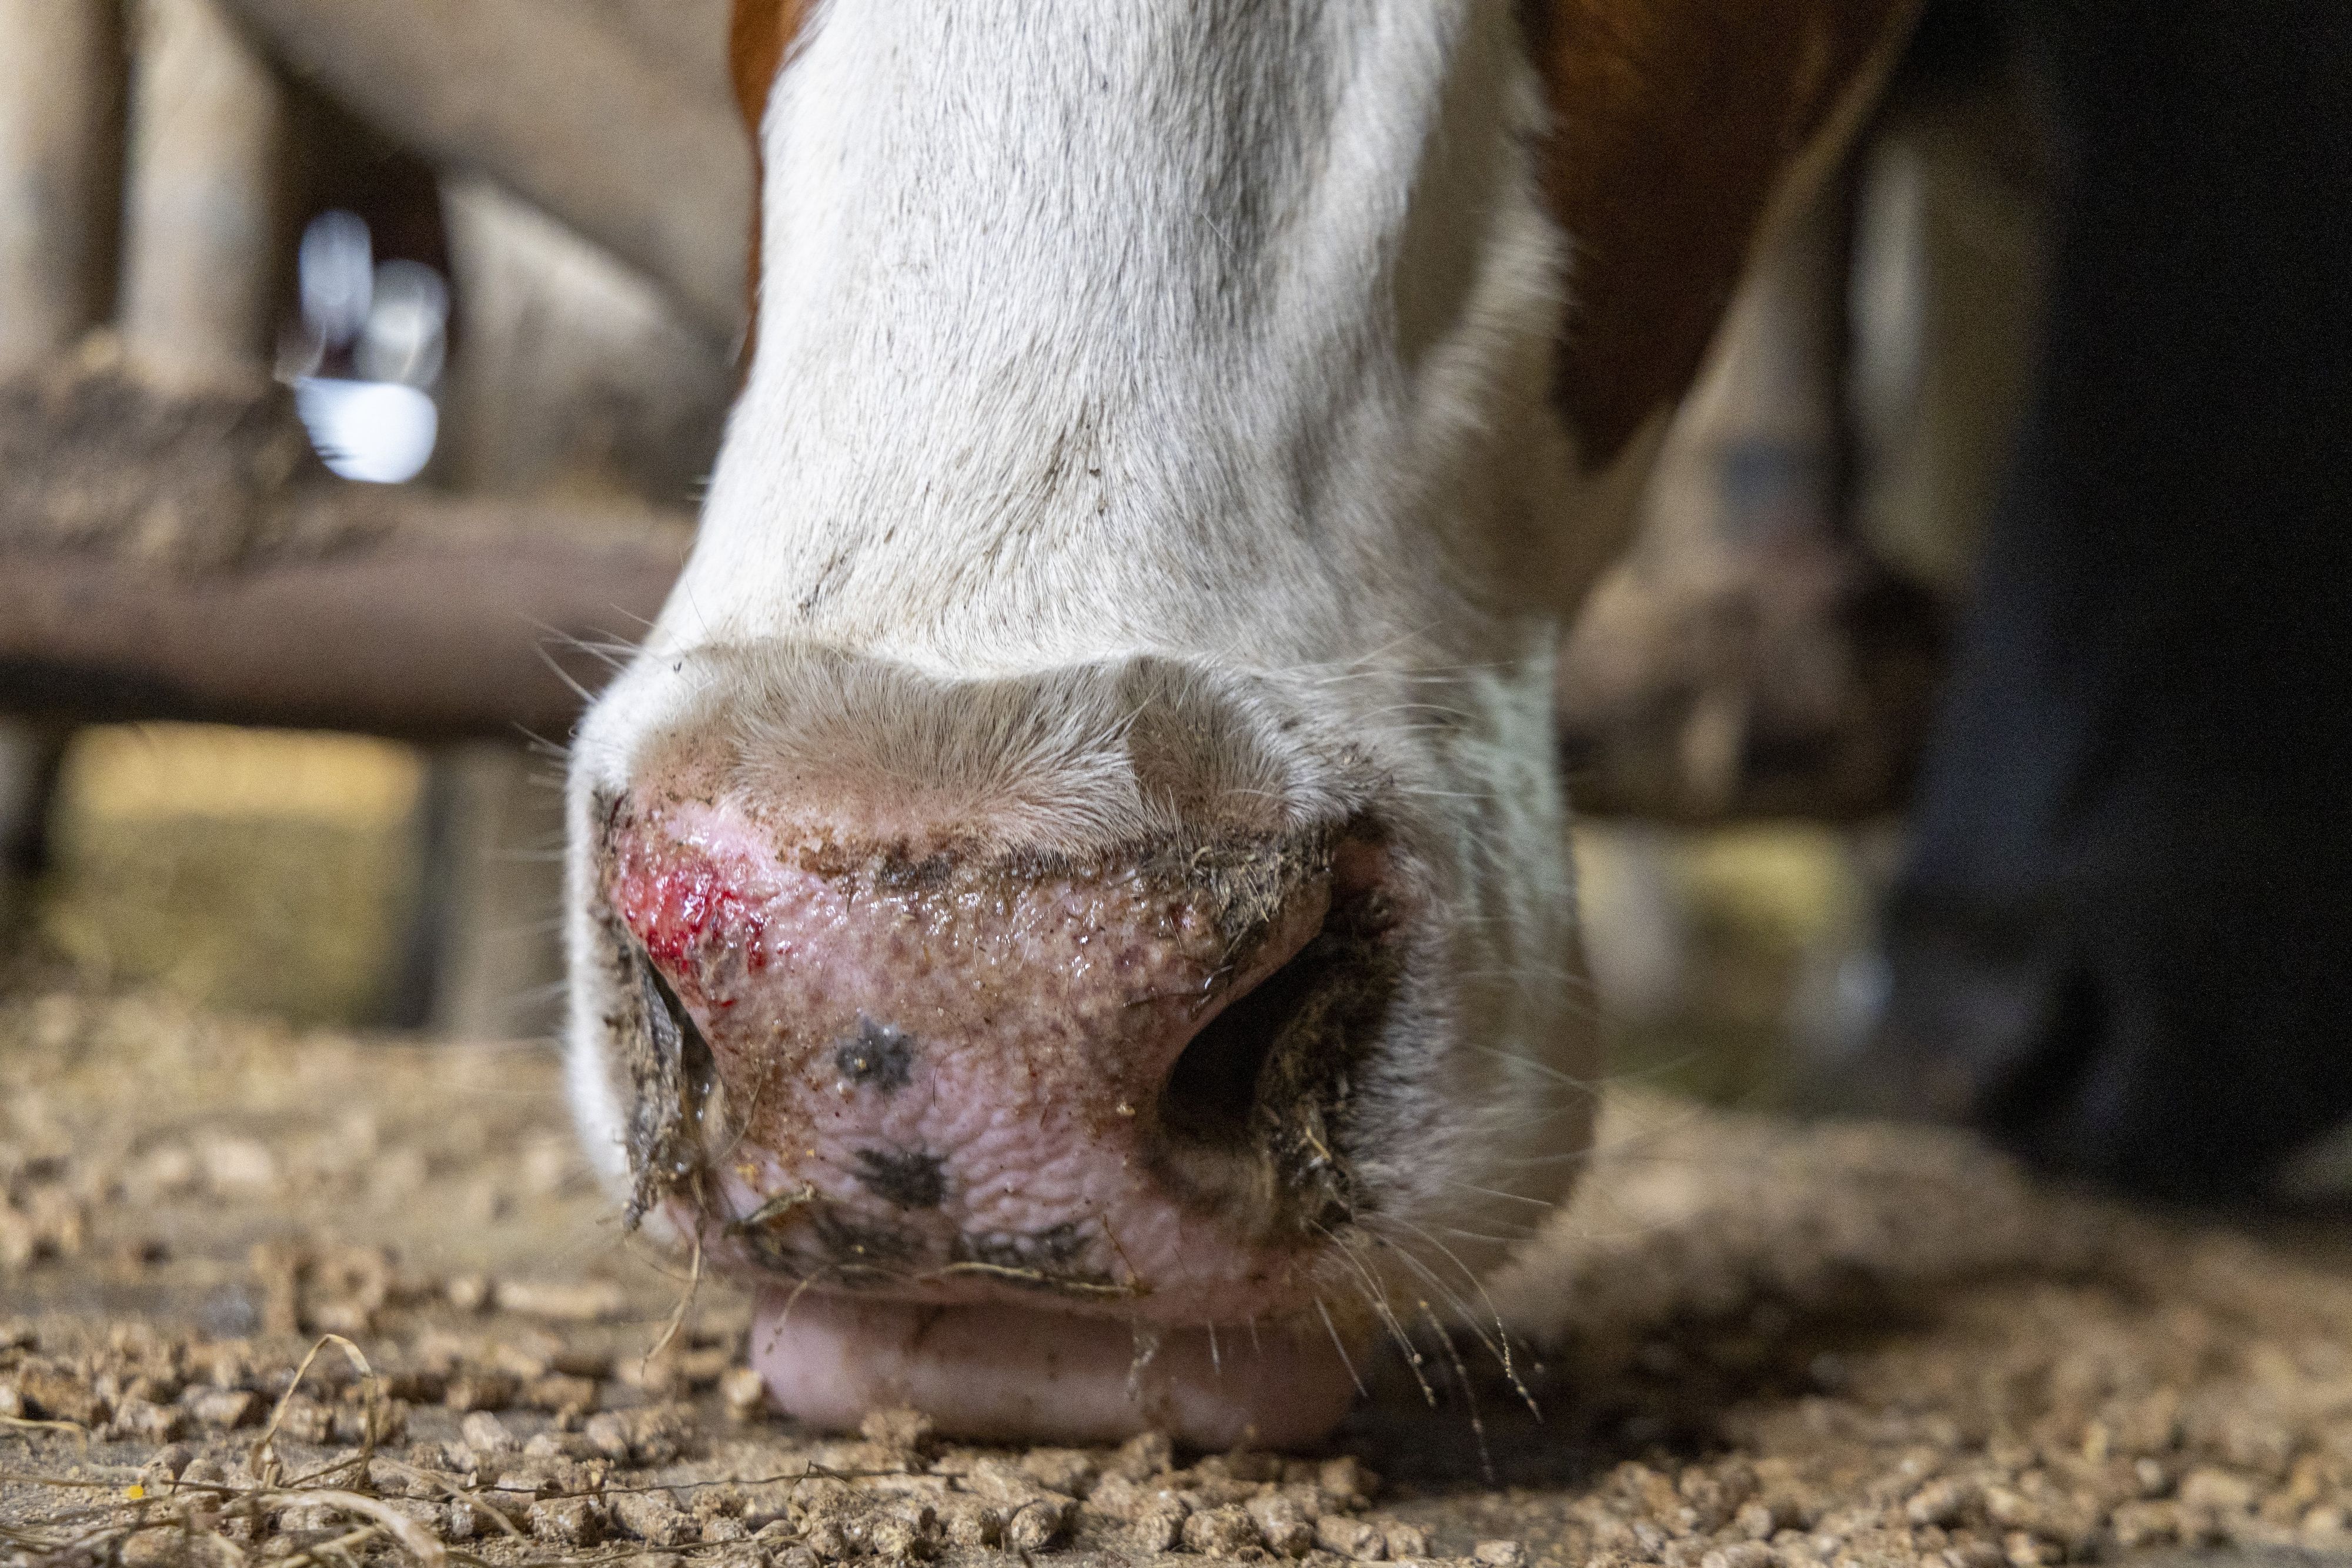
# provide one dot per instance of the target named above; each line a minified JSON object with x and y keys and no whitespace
{"x":952,"y":1069}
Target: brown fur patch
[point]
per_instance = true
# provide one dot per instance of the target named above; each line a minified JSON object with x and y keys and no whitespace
{"x":1673,"y":124}
{"x":757,"y":35}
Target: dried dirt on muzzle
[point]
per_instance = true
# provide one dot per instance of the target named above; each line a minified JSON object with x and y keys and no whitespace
{"x":1770,"y":1346}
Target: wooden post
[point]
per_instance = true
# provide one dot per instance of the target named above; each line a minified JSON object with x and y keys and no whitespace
{"x":494,"y":889}
{"x":61,"y":70}
{"x":577,"y":375}
{"x":206,"y":246}
{"x":60,"y":188}
{"x":31,"y":752}
{"x":1749,"y":657}
{"x":422,"y":618}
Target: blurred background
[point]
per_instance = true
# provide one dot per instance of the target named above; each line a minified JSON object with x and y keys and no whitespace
{"x":361,"y":361}
{"x":359,"y":366}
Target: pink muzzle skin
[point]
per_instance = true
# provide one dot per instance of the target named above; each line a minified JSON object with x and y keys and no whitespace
{"x":958,"y":1142}
{"x":1010,"y":1373}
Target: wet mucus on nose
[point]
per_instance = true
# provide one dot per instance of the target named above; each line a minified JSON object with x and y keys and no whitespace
{"x":1055,"y":1247}
{"x":877,"y":1056}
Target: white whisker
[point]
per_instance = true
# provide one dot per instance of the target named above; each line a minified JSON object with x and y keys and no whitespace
{"x":1336,"y":1344}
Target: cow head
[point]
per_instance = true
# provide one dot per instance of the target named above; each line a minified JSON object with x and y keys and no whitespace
{"x":1073,"y":889}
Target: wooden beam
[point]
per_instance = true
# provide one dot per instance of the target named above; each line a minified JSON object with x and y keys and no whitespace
{"x":452,"y":618}
{"x":168,"y":552}
{"x":176,"y":552}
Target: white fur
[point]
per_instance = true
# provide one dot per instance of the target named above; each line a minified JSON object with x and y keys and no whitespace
{"x":1213,"y":331}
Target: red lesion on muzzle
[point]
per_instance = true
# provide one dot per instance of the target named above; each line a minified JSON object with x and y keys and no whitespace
{"x":951,"y":1074}
{"x":689,"y":913}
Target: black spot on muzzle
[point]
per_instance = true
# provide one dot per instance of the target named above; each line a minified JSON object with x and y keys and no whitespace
{"x":877,"y":1057}
{"x":903,"y":1178}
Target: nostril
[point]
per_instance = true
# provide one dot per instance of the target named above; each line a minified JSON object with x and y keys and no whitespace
{"x":1256,"y":1118}
{"x":679,"y":1098}
{"x":1214,"y":1086}
{"x":678,"y":1039}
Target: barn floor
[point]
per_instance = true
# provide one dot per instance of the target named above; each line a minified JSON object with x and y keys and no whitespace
{"x":1766,"y":1346}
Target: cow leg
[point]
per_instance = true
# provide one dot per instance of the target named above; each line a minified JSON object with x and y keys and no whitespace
{"x":2121,"y":939}
{"x":1750,"y":654}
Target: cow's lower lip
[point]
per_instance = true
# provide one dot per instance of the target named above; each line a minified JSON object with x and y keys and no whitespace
{"x":1013,"y":1372}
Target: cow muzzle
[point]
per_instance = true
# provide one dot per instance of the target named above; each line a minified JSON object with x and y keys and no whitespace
{"x":1048,"y":1144}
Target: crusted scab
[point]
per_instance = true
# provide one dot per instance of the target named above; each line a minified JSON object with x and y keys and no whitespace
{"x":903,"y":1178}
{"x":774,"y":1247}
{"x":877,"y":1056}
{"x":604,"y":807}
